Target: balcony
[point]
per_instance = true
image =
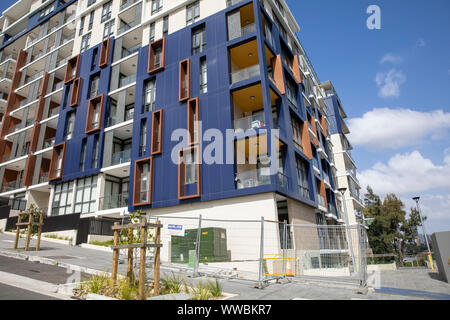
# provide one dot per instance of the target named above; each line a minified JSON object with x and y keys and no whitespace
{"x":247,"y":123}
{"x":113,"y":120}
{"x":252,"y":179}
{"x":113,"y":202}
{"x":12,"y":185}
{"x":282,"y":180}
{"x":321,"y":201}
{"x":127,"y":26}
{"x":48,"y":143}
{"x":43,"y":178}
{"x":121,"y":157}
{"x":246,"y":73}
{"x":243,"y":22}
{"x":127,"y":3}
{"x":130,"y":51}
{"x":231,"y":3}
{"x":125,"y":81}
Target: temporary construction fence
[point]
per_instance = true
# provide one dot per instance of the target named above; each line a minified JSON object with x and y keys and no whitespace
{"x":262,"y":250}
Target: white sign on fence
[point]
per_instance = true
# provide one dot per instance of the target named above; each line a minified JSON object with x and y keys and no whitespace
{"x":175,"y":230}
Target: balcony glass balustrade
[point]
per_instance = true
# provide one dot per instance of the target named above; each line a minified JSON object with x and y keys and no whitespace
{"x":251,"y":122}
{"x":253,"y":178}
{"x":113,"y":201}
{"x":246,"y":73}
{"x":121,"y":157}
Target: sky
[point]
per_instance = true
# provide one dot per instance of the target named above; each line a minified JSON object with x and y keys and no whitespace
{"x":394,"y":84}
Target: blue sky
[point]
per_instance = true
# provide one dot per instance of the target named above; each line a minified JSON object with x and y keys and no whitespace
{"x":400,"y":123}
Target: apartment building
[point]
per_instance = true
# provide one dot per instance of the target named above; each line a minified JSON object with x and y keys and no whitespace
{"x":344,"y":169}
{"x":91,"y":92}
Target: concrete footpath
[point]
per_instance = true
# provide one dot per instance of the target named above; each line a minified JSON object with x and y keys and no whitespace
{"x":395,"y":285}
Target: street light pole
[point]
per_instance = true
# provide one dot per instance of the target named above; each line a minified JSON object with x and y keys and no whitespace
{"x":416,"y":199}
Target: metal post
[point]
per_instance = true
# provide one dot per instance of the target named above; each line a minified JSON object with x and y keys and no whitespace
{"x":347,"y":227}
{"x":424,"y":232}
{"x":197,"y":247}
{"x":284,"y":248}
{"x":261,"y":256}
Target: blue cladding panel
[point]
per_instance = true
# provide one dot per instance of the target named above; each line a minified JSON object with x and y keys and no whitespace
{"x":74,"y":145}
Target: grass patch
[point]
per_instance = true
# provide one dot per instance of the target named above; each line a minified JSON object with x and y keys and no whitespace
{"x":54,"y":236}
{"x":102,"y":243}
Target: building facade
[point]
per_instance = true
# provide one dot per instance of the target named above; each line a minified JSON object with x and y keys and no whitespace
{"x":92,"y":93}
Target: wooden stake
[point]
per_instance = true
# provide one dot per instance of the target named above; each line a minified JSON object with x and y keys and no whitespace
{"x":157,"y":260}
{"x":41,"y":220}
{"x":142,"y":260}
{"x":27,"y":243}
{"x":115,"y":264}
{"x":16,"y":242}
{"x":130,"y":275}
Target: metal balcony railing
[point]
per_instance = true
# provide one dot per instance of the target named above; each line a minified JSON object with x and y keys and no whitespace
{"x":253,"y":178}
{"x":321,"y":200}
{"x":130,"y":51}
{"x":49,"y":143}
{"x":246,"y":73}
{"x":113,"y":202}
{"x":43,"y":177}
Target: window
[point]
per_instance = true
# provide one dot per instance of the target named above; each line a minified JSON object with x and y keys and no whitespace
{"x":81,"y":26}
{"x":203,"y":75}
{"x":93,"y":87}
{"x":166,"y":26}
{"x":106,"y":11}
{"x":85,"y":195}
{"x":193,"y":119}
{"x":198,"y":40}
{"x":85,"y":42}
{"x":152,"y":32}
{"x":108,"y":31}
{"x":94,"y":116}
{"x":192,"y":13}
{"x":57,"y":162}
{"x":95,"y":153}
{"x":91,"y":20}
{"x":76,"y":88}
{"x":156,"y":6}
{"x":185,"y":80}
{"x":83,"y":155}
{"x":62,"y":199}
{"x":157,"y":129}
{"x":91,"y":2}
{"x":143,"y":138}
{"x":156,"y":57}
{"x":291,"y":92}
{"x":94,"y":59}
{"x":47,"y":10}
{"x":72,"y":69}
{"x":297,"y":132}
{"x":70,"y":125}
{"x":143,"y":172}
{"x":190,"y":167}
{"x":302,"y":174}
{"x":149,"y":96}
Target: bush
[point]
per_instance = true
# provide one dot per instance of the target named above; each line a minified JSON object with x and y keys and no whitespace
{"x":201,"y":292}
{"x":102,"y":243}
{"x":173,"y":284}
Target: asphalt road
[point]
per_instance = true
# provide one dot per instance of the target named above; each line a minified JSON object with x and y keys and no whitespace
{"x":13,"y":293}
{"x":37,"y":271}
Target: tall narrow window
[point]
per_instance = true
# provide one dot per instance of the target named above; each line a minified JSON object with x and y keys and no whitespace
{"x":198,"y":40}
{"x":83,"y":155}
{"x":94,"y":116}
{"x":190,"y":176}
{"x":157,"y":128}
{"x":93,"y":87}
{"x":193,"y":120}
{"x":185,"y":80}
{"x":95,"y":153}
{"x":80,"y":32}
{"x":91,"y":21}
{"x":72,"y":69}
{"x":152,"y":32}
{"x":302,"y":175}
{"x":192,"y":13}
{"x":106,"y":11}
{"x":156,"y":57}
{"x":149,"y":96}
{"x":57,"y":162}
{"x":203,"y":75}
{"x":94,"y":59}
{"x":166,"y":26}
{"x":143,"y":176}
{"x":189,"y":173}
{"x":143,"y":138}
{"x":70,"y":125}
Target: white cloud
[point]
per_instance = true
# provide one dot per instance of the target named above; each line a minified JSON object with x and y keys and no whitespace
{"x":389,"y":83}
{"x":395,"y":128}
{"x":421,"y":43}
{"x":405,"y":174}
{"x":389,"y":57}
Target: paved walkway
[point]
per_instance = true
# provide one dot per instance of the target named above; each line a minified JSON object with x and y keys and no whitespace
{"x":395,"y":285}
